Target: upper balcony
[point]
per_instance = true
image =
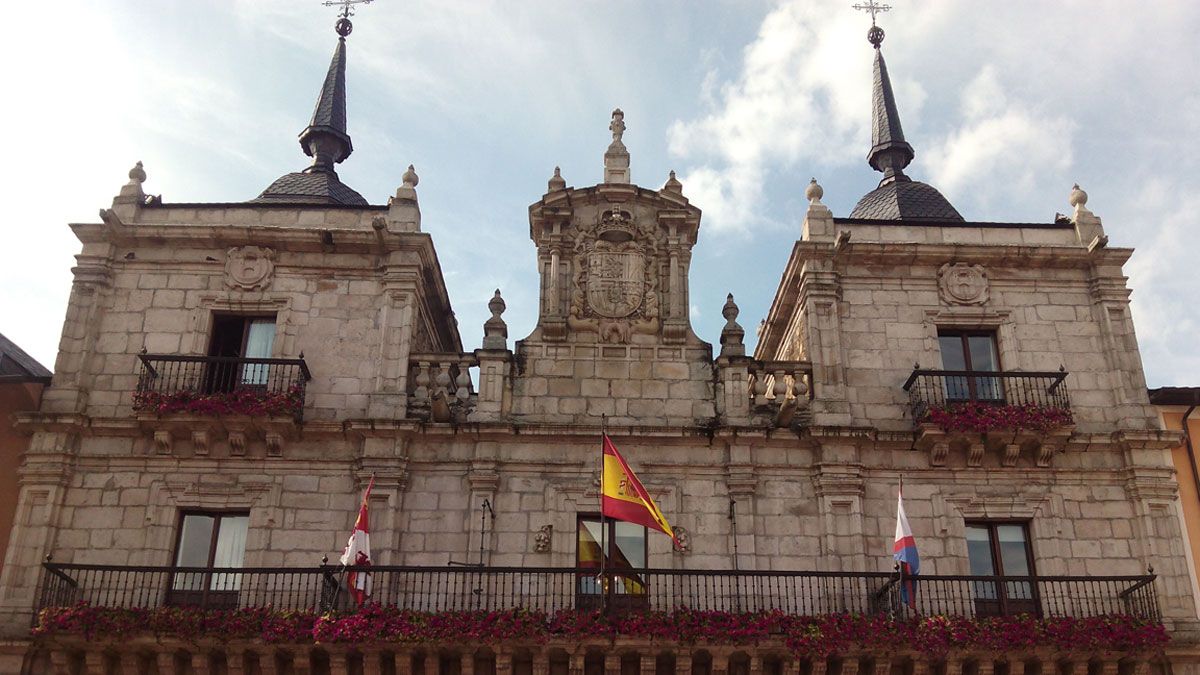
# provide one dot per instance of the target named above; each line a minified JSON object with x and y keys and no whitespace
{"x":237,"y":396}
{"x":552,"y":590}
{"x":1012,"y":411}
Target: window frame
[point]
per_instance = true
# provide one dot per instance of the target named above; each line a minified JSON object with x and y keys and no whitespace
{"x":975,"y":377}
{"x":610,"y":535}
{"x":246,"y":319}
{"x":205,"y":596}
{"x":1004,"y":590}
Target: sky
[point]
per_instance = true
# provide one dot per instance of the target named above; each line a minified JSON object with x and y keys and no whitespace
{"x":1006,"y":103}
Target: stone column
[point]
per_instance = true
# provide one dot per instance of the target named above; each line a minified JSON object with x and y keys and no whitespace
{"x":494,"y":400}
{"x":820,"y":286}
{"x":648,"y":664}
{"x":398,"y":315}
{"x":742,"y":484}
{"x":683,"y":663}
{"x":840,"y":487}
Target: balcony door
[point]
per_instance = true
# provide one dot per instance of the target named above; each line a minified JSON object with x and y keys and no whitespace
{"x":971,"y":352}
{"x":240,"y":337}
{"x":209,"y":540}
{"x":621,"y":548}
{"x":1000,"y":549}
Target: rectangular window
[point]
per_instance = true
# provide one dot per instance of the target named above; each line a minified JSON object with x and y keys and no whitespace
{"x":209,"y":540}
{"x":620,"y":548}
{"x":1001,"y":549}
{"x":968,"y":353}
{"x":240,"y":337}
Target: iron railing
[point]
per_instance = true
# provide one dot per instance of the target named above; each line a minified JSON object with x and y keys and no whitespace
{"x":436,"y":589}
{"x":932,"y":388}
{"x":173,"y":380}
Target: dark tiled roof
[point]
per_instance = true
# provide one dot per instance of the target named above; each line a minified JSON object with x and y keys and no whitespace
{"x":1175,"y":396}
{"x":15,"y":362}
{"x":905,"y":200}
{"x":318,"y":187}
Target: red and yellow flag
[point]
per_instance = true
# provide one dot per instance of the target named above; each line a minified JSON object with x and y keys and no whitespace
{"x":622,"y":496}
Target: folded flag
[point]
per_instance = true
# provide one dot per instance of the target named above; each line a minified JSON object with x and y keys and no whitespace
{"x":905,"y":553}
{"x":358,"y":552}
{"x":622,"y":496}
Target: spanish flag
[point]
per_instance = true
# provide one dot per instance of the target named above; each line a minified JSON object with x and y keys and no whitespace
{"x":623,"y":497}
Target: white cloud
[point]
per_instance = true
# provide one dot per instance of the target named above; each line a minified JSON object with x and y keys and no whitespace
{"x":800,"y":93}
{"x":1002,"y":148}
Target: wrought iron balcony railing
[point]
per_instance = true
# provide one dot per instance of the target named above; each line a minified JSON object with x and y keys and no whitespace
{"x":929,"y":389}
{"x":437,"y":589}
{"x":216,"y":385}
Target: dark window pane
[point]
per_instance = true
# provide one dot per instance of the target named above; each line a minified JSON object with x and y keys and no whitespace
{"x":1013,"y":552}
{"x":979,"y":551}
{"x":953,"y":357}
{"x":983,"y":353}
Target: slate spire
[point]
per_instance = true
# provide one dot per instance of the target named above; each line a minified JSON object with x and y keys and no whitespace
{"x":890,"y":153}
{"x":325,"y":139}
{"x":897,"y":197}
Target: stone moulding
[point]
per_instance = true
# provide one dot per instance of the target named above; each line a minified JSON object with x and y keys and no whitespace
{"x":231,"y":435}
{"x":1010,"y":444}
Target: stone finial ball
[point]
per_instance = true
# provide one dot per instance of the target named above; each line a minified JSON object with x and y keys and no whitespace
{"x":137,"y":174}
{"x":410,"y":177}
{"x":1078,"y":197}
{"x":343,"y":27}
{"x":814,"y":191}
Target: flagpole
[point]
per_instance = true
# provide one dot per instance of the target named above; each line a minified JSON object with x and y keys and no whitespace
{"x":900,"y":563}
{"x":603,"y":522}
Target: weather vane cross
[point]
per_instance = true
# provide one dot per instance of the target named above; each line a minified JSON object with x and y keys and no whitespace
{"x":343,"y":25}
{"x":869,"y":6}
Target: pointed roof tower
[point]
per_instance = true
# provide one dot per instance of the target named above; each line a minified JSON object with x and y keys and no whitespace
{"x":324,"y":139}
{"x":898,"y":197}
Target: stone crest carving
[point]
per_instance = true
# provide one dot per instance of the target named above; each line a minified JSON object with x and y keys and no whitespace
{"x":616,"y":287}
{"x":541,"y":539}
{"x":683,"y":540}
{"x":249,"y":267}
{"x":963,"y":284}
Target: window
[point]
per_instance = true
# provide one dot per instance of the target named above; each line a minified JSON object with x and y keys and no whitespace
{"x":1001,"y":549}
{"x":971,"y":352}
{"x":242,"y":337}
{"x":209,"y":540}
{"x":626,"y":553}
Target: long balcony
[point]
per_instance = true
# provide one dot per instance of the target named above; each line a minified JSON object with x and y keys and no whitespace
{"x":220,"y":385}
{"x":552,"y":590}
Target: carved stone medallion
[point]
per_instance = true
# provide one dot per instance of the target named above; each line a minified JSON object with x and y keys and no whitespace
{"x":963,"y":284}
{"x":249,"y":267}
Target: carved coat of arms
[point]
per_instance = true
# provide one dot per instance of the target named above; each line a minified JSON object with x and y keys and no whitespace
{"x":963,"y":284}
{"x":616,"y":282}
{"x":249,"y":267}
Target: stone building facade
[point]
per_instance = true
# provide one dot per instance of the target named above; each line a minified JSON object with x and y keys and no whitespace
{"x":330,"y":316}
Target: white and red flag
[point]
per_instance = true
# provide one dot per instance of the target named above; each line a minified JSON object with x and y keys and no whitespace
{"x":905,"y":553}
{"x":358,"y":552}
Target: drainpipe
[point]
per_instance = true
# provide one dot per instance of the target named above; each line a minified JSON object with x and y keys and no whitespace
{"x":1191,"y":451}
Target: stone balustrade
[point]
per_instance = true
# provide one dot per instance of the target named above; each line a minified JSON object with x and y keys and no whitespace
{"x":782,"y":389}
{"x":440,"y":387}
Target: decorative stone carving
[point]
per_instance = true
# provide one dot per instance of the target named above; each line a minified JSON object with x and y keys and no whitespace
{"x":200,"y":442}
{"x":237,"y":443}
{"x":249,"y":267}
{"x":963,"y":284}
{"x":683,"y":540}
{"x":541,"y":539}
{"x":163,"y":442}
{"x":616,"y":281}
{"x":274,"y":444}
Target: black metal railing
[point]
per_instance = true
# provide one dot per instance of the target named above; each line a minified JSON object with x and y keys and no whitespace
{"x":435,"y":589}
{"x":172,"y":383}
{"x":931,"y":388}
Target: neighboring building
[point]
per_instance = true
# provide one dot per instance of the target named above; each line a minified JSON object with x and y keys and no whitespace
{"x":231,"y":376}
{"x":1177,"y":408}
{"x":22,"y":380}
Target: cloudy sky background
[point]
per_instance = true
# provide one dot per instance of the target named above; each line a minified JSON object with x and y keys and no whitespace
{"x":1006,"y":103}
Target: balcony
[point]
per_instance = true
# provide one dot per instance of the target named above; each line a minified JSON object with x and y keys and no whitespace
{"x":552,"y":590}
{"x":971,"y":408}
{"x":211,"y":400}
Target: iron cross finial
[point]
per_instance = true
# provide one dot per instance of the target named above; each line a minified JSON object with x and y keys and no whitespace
{"x":869,"y":6}
{"x":343,"y":25}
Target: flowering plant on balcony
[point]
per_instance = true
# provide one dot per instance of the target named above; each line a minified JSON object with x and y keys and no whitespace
{"x":804,"y":636}
{"x":251,"y":401}
{"x":983,"y":417}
